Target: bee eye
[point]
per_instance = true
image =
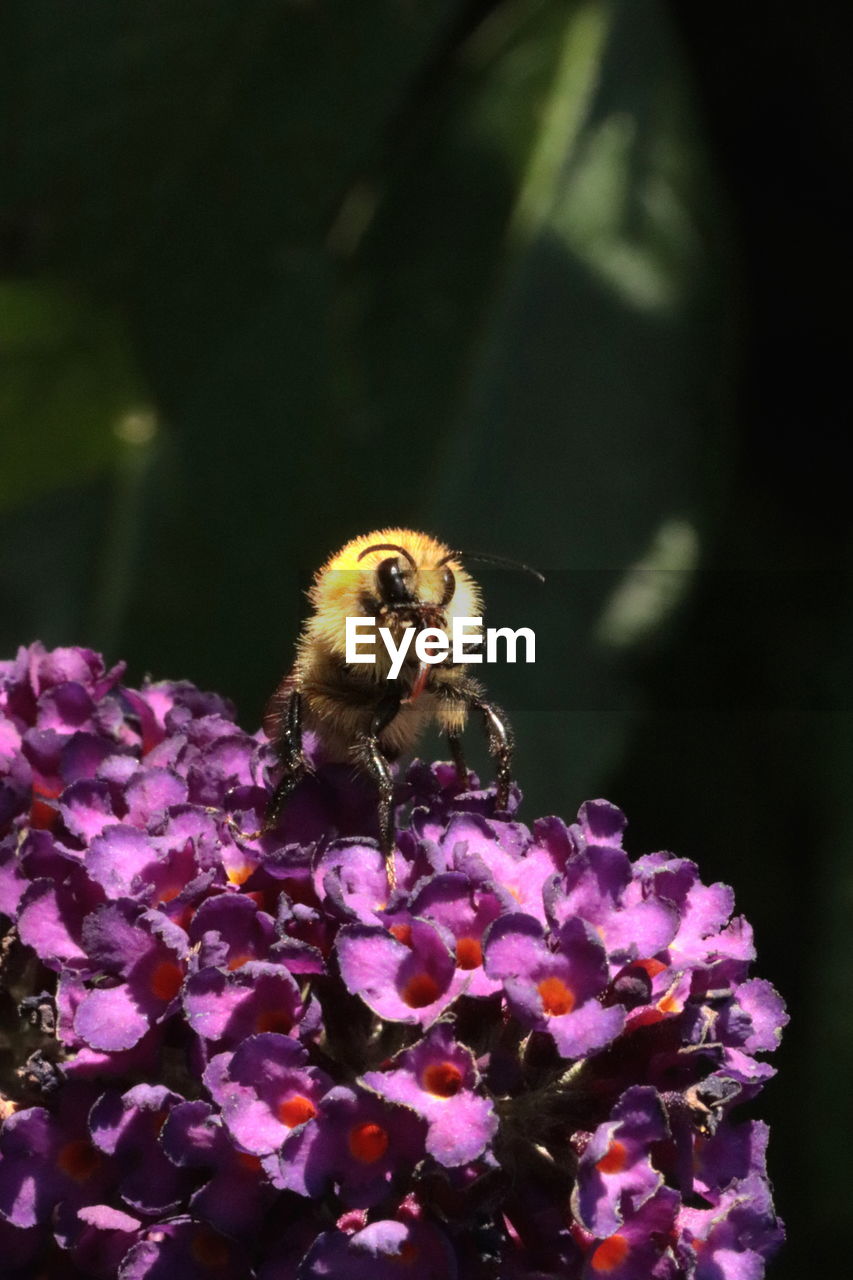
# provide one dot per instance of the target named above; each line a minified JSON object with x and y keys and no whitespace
{"x":392,"y":582}
{"x":449,"y":586}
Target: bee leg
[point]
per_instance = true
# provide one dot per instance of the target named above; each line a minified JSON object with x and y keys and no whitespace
{"x":380,"y":771}
{"x":454,"y":741}
{"x":500,"y":748}
{"x":295,"y":766}
{"x":371,"y":755}
{"x":293,"y":761}
{"x":455,"y":703}
{"x":287,"y":784}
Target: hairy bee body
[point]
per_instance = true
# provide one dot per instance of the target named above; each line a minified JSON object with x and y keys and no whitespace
{"x":402,"y":579}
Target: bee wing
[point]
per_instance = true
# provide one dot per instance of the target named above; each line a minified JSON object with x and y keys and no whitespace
{"x":276,"y":710}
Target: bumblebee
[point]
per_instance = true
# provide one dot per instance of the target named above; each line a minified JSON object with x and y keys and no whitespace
{"x":402,"y":579}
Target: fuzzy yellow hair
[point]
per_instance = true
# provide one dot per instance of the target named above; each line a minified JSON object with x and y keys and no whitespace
{"x":340,"y":585}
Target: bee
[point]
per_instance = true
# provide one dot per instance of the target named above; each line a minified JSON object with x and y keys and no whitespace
{"x":401,"y":579}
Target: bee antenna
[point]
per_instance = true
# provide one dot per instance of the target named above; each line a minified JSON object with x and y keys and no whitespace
{"x":501,"y":561}
{"x":389,"y":546}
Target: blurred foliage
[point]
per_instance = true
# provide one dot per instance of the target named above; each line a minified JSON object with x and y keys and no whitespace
{"x":360,"y":261}
{"x":276,"y":271}
{"x":67,"y":377}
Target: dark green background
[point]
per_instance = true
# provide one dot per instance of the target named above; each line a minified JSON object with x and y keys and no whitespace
{"x":551,"y":279}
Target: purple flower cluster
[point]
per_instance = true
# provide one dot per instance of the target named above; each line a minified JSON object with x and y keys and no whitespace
{"x":225,"y":1057}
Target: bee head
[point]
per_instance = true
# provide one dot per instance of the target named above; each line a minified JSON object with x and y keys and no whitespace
{"x":398,"y":576}
{"x":400,"y":583}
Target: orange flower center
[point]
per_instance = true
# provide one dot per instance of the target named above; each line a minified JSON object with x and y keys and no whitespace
{"x":652,"y":967}
{"x":78,"y":1159}
{"x":273,"y":1020}
{"x":556,"y":997}
{"x":420,"y":991}
{"x":403,"y":933}
{"x":614,"y":1159}
{"x":43,"y":814}
{"x":184,"y":919}
{"x":670,"y":1004}
{"x":168,"y":893}
{"x":443,"y":1079}
{"x":647,"y":1018}
{"x":368,"y":1143}
{"x":210,"y":1250}
{"x":296,"y":1110}
{"x":469,"y":953}
{"x":166,"y":980}
{"x":610,"y":1254}
{"x":252,"y":1164}
{"x":240,"y":873}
